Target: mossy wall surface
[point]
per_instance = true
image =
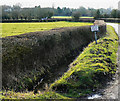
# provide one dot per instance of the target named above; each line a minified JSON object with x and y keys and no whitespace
{"x":29,"y":57}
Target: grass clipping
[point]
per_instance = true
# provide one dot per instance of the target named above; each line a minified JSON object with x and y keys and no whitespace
{"x":89,"y":71}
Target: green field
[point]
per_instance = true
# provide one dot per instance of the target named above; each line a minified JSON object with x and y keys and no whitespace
{"x":60,"y":17}
{"x":10,"y":29}
{"x":86,"y":17}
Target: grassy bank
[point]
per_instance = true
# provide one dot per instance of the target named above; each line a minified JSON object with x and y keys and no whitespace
{"x":91,"y":69}
{"x":10,"y":29}
{"x":86,"y":74}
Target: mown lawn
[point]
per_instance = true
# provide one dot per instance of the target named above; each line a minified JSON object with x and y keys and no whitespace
{"x":10,"y":29}
{"x":86,"y":74}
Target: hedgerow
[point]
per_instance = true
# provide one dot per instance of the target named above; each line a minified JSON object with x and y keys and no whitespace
{"x":86,"y":74}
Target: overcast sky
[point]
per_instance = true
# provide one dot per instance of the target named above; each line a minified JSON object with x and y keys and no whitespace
{"x":64,"y":3}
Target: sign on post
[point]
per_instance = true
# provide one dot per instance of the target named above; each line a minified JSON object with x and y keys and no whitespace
{"x":95,"y":29}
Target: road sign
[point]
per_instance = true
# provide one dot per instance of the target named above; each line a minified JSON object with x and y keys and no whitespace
{"x":94,"y":28}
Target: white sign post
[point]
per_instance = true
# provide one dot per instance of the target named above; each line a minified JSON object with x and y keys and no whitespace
{"x":95,"y":29}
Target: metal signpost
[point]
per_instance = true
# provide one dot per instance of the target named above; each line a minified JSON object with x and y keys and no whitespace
{"x":95,"y":29}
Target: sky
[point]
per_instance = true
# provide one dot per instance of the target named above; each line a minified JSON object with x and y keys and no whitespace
{"x":64,"y":3}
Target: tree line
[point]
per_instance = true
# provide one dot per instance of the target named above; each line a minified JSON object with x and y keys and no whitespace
{"x":16,"y":12}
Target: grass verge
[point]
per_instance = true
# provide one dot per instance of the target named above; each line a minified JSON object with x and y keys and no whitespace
{"x":88,"y":72}
{"x":95,"y":65}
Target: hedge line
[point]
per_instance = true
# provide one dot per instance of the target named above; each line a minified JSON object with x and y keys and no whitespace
{"x":49,"y":20}
{"x":32,"y":56}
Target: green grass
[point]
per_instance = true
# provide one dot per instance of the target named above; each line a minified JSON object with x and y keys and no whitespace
{"x":92,"y":66}
{"x":86,"y":17}
{"x":10,"y":29}
{"x":87,"y":73}
{"x":62,"y":17}
{"x":70,"y":17}
{"x":31,"y":95}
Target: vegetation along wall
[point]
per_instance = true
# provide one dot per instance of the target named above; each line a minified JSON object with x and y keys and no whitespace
{"x":29,"y":57}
